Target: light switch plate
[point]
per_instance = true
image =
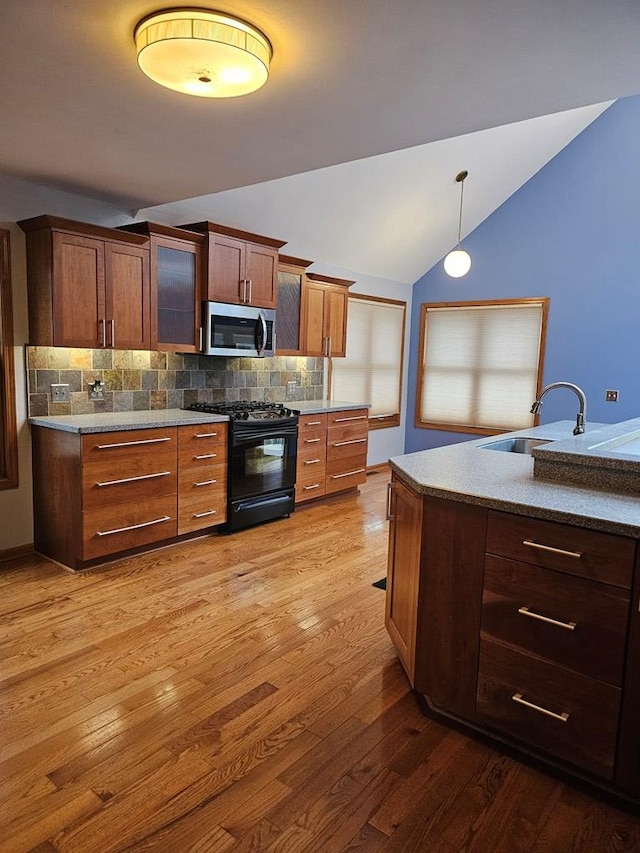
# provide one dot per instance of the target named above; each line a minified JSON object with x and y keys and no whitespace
{"x":60,"y":392}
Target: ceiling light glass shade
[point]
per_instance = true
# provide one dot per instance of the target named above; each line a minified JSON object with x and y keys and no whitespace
{"x":457,"y":263}
{"x":202,"y":53}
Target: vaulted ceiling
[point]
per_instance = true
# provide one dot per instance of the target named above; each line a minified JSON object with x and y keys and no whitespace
{"x":350,"y":80}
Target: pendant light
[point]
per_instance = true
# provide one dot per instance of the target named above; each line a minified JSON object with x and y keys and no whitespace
{"x":458,"y":262}
{"x":203,"y":53}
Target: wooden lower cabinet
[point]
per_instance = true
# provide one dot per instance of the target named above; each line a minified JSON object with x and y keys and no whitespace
{"x":332,"y":453}
{"x":202,"y":485}
{"x":528,"y":629}
{"x":101,"y":494}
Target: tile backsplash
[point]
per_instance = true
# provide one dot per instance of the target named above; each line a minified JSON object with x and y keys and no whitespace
{"x":136,"y":380}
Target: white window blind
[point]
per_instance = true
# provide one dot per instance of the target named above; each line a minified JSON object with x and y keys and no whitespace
{"x":371,"y":372}
{"x":480,"y":364}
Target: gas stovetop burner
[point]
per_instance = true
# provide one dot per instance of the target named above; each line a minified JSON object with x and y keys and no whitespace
{"x":244,"y":411}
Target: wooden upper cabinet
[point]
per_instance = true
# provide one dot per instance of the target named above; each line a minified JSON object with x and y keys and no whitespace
{"x":88,"y":286}
{"x":176,"y":286}
{"x":241,"y":267}
{"x":292,"y":280}
{"x":325,"y":304}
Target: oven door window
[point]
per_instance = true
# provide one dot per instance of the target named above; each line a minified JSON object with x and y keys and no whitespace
{"x":262,"y":464}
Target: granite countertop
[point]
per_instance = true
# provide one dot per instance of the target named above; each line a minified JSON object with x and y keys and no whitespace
{"x":504,"y":481}
{"x":317,"y":407}
{"x":116,"y":421}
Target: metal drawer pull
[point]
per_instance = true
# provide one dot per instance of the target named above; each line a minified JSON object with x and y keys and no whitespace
{"x":132,"y":443}
{"x":348,"y":474}
{"x":352,"y":418}
{"x":563,"y":717}
{"x":389,"y":492}
{"x":315,"y":486}
{"x":206,"y":456}
{"x":203,"y":514}
{"x":113,"y":332}
{"x":352,"y":441}
{"x":311,"y":461}
{"x":311,"y":440}
{"x":206,"y":483}
{"x":576,"y":554}
{"x":133,"y":479}
{"x":133,"y":526}
{"x":570,"y":626}
{"x":206,"y":435}
{"x":312,"y":423}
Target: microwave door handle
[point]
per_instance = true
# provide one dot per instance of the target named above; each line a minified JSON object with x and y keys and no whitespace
{"x":263,"y":322}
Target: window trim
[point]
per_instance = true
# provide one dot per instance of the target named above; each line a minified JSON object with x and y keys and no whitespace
{"x":472,"y":430}
{"x":8,"y":415}
{"x":382,"y":421}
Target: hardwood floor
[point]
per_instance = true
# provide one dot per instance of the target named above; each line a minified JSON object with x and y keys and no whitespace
{"x":241,"y":693}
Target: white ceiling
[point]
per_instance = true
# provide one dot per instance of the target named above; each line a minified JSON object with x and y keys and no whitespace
{"x":350,"y":79}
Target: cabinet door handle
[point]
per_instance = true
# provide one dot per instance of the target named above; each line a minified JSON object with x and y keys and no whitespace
{"x":352,"y":441}
{"x":206,"y":456}
{"x":563,"y":717}
{"x":133,"y":526}
{"x":308,"y":488}
{"x":351,"y":418}
{"x":205,"y":435}
{"x":389,"y":493}
{"x":311,"y":461}
{"x":524,"y":611}
{"x":200,"y":341}
{"x":204,"y":514}
{"x":311,"y":440}
{"x":249,"y":282}
{"x":103,"y":324}
{"x":133,"y":479}
{"x":347,"y":474}
{"x":112,"y":323}
{"x":206,"y":483}
{"x":312,"y":423}
{"x":575,"y":554}
{"x":326,"y":347}
{"x":132,"y":443}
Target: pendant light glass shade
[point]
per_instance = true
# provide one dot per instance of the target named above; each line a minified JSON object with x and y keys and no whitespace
{"x":202,"y":53}
{"x":458,"y":262}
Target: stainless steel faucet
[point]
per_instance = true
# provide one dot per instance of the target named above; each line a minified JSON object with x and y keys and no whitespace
{"x":582,"y":414}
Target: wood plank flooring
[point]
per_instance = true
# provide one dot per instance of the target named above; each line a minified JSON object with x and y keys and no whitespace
{"x":240,"y":693}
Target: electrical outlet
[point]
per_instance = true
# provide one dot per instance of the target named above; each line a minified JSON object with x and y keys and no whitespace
{"x":60,"y":393}
{"x":96,"y":390}
{"x":611,"y":396}
{"x":292,"y":387}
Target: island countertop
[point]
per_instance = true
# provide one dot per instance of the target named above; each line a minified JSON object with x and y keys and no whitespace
{"x":504,"y":481}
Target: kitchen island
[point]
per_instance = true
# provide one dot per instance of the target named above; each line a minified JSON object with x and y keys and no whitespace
{"x":513,"y":601}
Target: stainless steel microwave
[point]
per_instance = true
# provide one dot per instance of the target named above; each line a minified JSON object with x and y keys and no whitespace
{"x":238,"y":330}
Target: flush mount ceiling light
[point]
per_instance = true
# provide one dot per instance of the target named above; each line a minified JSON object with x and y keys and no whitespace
{"x":203,"y":53}
{"x":458,"y":262}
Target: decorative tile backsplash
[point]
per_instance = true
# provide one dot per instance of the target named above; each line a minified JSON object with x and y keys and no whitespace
{"x":136,"y":380}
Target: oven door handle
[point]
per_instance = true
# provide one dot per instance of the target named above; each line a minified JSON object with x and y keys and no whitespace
{"x":260,"y":349}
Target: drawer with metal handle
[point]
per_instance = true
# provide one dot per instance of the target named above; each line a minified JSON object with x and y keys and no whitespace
{"x":573,"y":622}
{"x":112,"y":448}
{"x":124,"y":526}
{"x":548,"y":707}
{"x":573,"y":550}
{"x":128,"y":479}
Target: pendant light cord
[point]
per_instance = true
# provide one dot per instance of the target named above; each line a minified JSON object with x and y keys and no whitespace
{"x":460,"y":217}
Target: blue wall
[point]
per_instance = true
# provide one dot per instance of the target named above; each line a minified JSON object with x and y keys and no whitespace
{"x":571,"y":233}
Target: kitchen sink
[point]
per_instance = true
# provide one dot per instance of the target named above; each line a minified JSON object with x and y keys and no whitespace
{"x":515,"y":445}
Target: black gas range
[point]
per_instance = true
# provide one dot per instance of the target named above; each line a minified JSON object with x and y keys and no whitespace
{"x":263,"y":442}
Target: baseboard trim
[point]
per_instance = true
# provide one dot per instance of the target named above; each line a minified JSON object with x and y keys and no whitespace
{"x":377,"y":469}
{"x":15,"y":553}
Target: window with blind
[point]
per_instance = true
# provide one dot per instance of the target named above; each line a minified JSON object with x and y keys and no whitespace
{"x":8,"y":428}
{"x":481,"y":364}
{"x":371,"y":372}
